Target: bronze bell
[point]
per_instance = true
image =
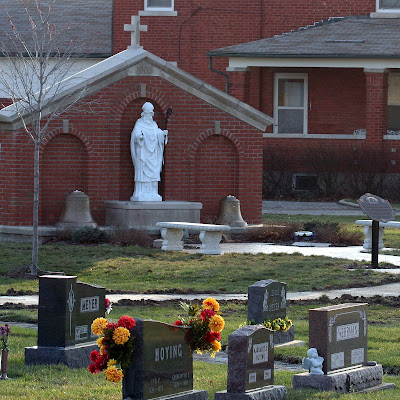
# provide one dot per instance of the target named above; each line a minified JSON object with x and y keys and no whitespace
{"x":229,"y":213}
{"x":76,"y":211}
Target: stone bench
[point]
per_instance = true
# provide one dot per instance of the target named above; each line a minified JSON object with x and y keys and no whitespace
{"x":367,"y":224}
{"x":210,"y":235}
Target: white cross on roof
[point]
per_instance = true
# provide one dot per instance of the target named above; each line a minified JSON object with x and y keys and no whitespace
{"x":135,"y":28}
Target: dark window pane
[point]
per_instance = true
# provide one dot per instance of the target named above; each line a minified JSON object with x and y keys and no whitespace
{"x":291,"y":92}
{"x":159,"y":3}
{"x":394,"y":118}
{"x":389,"y":4}
{"x":290,"y":121}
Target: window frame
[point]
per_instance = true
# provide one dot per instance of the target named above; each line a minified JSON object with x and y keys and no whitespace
{"x":386,"y":10}
{"x":147,"y":8}
{"x":289,"y":75}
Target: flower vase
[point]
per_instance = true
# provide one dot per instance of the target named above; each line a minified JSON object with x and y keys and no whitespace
{"x":4,"y":359}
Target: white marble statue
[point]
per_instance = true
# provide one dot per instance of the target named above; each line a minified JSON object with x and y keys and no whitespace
{"x":314,"y":362}
{"x":147,"y":150}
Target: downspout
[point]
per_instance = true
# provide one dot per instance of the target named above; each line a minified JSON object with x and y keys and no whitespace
{"x":221,"y":73}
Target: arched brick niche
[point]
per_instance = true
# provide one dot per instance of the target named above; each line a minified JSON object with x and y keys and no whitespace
{"x":64,"y":168}
{"x":130,"y":115}
{"x":214,"y":165}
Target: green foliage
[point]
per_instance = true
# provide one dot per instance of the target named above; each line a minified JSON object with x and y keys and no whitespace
{"x":89,"y":235}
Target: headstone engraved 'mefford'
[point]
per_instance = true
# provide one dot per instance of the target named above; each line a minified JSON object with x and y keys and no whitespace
{"x":67,"y":309}
{"x":339,"y":333}
{"x":162,"y":364}
{"x":251,"y":366}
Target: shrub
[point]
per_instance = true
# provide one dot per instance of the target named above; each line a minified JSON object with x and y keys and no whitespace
{"x":122,"y":236}
{"x":89,"y":235}
{"x":271,"y":233}
{"x":318,"y":226}
{"x":63,"y":235}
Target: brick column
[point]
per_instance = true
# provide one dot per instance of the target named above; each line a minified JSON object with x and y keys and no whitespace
{"x":376,"y":85}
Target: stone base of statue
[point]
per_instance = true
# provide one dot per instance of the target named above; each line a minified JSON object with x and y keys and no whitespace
{"x":358,"y":379}
{"x":145,"y":214}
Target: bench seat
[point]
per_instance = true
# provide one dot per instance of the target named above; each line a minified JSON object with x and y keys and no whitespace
{"x":210,"y":235}
{"x":367,"y":224}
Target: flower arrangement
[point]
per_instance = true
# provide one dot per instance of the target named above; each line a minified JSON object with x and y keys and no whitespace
{"x":276,"y":324}
{"x":4,"y":332}
{"x":116,"y":345}
{"x":108,"y":306}
{"x":206,"y":325}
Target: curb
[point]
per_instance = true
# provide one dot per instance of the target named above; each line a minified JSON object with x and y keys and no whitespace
{"x":348,"y":204}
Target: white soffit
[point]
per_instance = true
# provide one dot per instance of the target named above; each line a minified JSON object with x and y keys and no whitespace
{"x":243,"y":62}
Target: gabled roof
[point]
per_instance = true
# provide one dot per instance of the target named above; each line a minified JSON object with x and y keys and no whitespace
{"x":120,"y":66}
{"x":347,"y":37}
{"x":88,"y":21}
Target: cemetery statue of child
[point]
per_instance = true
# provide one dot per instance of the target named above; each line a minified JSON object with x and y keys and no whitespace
{"x":147,"y":150}
{"x":314,"y":362}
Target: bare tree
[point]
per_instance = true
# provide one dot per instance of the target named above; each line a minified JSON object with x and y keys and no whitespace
{"x":40,"y":56}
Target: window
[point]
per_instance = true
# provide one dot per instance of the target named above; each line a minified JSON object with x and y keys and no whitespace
{"x":388,"y":5}
{"x":290,"y":103}
{"x":159,"y":5}
{"x":306,"y":182}
{"x":394,"y":102}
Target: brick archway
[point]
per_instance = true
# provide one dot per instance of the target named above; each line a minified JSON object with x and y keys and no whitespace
{"x":64,"y":168}
{"x":214,"y":170}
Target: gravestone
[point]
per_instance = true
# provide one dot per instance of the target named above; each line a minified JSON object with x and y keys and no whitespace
{"x":161,"y":364}
{"x":267,"y":300}
{"x":339,"y":333}
{"x":66,"y":311}
{"x":251,"y":366}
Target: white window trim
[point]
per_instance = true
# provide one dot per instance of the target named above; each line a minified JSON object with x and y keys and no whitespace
{"x":278,"y":76}
{"x":146,"y":8}
{"x":386,"y":10}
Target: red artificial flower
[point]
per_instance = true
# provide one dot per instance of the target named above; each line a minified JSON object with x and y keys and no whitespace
{"x":206,"y":314}
{"x":210,"y":336}
{"x":93,"y":369}
{"x":111,"y":326}
{"x":178,"y":323}
{"x":101,"y":361}
{"x":93,"y":355}
{"x":107,"y":302}
{"x":126,"y":322}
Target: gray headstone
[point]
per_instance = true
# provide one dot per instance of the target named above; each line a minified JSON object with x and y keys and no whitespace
{"x":67,"y":309}
{"x":339,"y":333}
{"x":162,"y":364}
{"x":250,"y":358}
{"x":266,"y":299}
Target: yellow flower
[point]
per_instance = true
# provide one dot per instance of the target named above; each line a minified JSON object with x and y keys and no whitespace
{"x":98,"y":325}
{"x":103,"y":349}
{"x":216,"y":323}
{"x":216,"y":345}
{"x":99,"y":341}
{"x":121,"y":335}
{"x":268,"y":325}
{"x":211,"y":303}
{"x":113,"y":374}
{"x":111,"y":363}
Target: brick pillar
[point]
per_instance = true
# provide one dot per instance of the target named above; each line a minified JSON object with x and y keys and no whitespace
{"x":376,"y":85}
{"x":239,"y":82}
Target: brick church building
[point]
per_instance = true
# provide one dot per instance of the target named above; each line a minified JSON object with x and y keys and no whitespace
{"x":326,"y":72}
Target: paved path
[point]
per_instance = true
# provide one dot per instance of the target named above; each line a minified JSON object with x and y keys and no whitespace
{"x":310,"y":208}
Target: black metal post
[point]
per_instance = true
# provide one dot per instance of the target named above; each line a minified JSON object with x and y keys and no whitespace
{"x":375,"y":241}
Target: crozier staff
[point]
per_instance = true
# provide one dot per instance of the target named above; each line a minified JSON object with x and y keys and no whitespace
{"x":147,"y":150}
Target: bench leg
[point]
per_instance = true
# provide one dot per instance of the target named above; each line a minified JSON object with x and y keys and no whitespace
{"x":210,"y":242}
{"x":368,"y":238}
{"x":172,"y":239}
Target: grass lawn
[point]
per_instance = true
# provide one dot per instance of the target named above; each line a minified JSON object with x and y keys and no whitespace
{"x":61,"y":383}
{"x":135,"y":269}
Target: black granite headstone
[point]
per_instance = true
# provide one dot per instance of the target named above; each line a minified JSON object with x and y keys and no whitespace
{"x":67,"y":309}
{"x":339,"y":333}
{"x":266,"y":299}
{"x":162,"y":364}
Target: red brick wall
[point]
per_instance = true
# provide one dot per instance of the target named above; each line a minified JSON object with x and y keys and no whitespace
{"x":105,"y":134}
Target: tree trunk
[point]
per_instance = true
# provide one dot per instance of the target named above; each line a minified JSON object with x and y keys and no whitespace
{"x":35,"y":222}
